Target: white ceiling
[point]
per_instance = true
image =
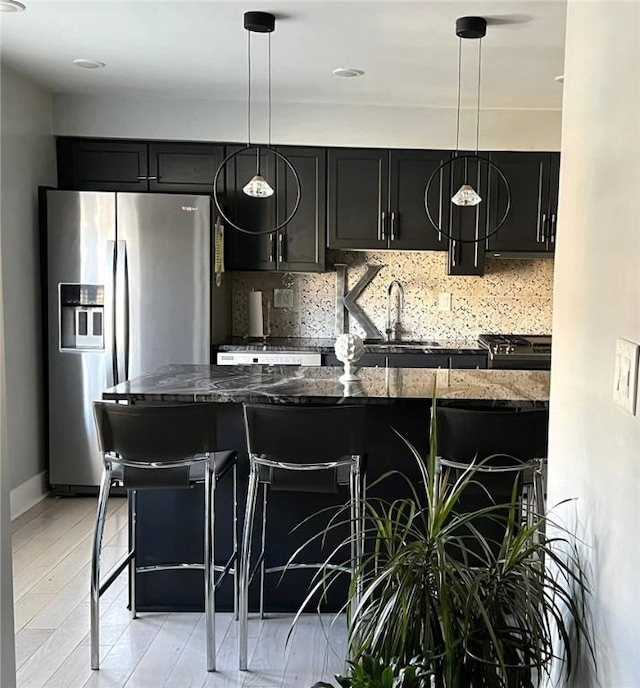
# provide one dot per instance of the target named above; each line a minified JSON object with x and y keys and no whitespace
{"x":199,"y":49}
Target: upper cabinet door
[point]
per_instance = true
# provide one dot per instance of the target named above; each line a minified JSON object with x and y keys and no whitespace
{"x":250,"y":251}
{"x":301,"y":243}
{"x":358,"y":186}
{"x":409,"y":226}
{"x":102,"y":165}
{"x":470,"y":223}
{"x":528,"y":224}
{"x":554,"y":186}
{"x":184,"y":167}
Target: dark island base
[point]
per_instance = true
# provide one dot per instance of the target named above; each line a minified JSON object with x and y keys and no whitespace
{"x":170,"y":522}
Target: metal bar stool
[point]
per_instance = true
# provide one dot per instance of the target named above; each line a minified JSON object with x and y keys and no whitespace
{"x":515,"y":441}
{"x":169,"y":446}
{"x":320,"y":445}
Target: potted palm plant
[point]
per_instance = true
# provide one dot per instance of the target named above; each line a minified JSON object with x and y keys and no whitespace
{"x":434,"y":591}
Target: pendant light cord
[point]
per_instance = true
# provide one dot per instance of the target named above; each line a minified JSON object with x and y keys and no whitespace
{"x":478,"y":101}
{"x":458,"y":116}
{"x":248,"y":88}
{"x":269,"y":132}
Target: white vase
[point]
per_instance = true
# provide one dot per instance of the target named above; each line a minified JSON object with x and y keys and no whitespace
{"x":349,"y":350}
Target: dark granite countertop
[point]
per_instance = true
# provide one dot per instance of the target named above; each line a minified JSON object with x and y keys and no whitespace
{"x":289,"y":384}
{"x":441,"y":346}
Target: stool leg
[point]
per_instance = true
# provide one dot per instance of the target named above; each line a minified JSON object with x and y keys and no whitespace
{"x":244,"y":565}
{"x":101,"y":513}
{"x":358,"y":530}
{"x":133,"y":496}
{"x":263,"y":565}
{"x":236,"y":563}
{"x":209,"y":572}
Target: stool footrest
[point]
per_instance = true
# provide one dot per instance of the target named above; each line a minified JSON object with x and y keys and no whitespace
{"x":333,"y":567}
{"x":115,"y":572}
{"x":256,"y":567}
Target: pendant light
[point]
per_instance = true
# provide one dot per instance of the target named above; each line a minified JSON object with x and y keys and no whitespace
{"x":466,"y":195}
{"x":258,"y":187}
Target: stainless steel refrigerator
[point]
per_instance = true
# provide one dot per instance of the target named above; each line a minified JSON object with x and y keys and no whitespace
{"x":128,"y":290}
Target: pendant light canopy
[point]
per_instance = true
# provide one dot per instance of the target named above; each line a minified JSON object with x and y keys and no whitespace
{"x":258,"y":187}
{"x":467,"y":195}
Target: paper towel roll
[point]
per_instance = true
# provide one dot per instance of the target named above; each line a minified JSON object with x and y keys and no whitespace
{"x":256,"y":321}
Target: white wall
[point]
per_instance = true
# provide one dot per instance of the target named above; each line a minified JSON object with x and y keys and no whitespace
{"x":28,"y":160}
{"x":594,"y":445}
{"x":7,"y":645}
{"x":305,"y":124}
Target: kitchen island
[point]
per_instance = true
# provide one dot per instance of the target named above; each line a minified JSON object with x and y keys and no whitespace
{"x":300,"y":385}
{"x":170,"y":522}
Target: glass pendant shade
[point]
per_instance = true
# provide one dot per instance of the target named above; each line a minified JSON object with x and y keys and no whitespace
{"x":258,"y":187}
{"x":466,"y":196}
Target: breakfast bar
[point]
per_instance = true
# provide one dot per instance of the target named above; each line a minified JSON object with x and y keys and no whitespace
{"x":399,"y":402}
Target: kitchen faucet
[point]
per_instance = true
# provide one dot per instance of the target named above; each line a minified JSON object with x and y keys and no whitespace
{"x":393,"y":331}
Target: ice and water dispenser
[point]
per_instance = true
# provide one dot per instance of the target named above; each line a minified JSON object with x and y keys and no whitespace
{"x":81,"y":317}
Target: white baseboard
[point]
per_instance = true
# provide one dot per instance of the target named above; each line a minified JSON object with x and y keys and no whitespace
{"x":28,"y":494}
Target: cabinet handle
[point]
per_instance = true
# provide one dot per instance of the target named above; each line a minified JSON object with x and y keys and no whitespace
{"x":543,"y":225}
{"x":147,"y":178}
{"x":394,"y":235}
{"x":153,"y":177}
{"x":272,"y":240}
{"x":453,"y":253}
{"x":280,"y":247}
{"x":383,"y":222}
{"x":552,"y":236}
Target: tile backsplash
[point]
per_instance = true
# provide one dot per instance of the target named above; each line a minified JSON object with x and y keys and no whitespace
{"x":514,"y":296}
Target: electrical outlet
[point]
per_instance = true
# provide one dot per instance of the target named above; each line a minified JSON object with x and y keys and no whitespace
{"x":625,"y":382}
{"x":283,"y":298}
{"x":444,"y":302}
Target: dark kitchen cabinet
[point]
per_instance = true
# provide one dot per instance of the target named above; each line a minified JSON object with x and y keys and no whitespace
{"x":466,"y":257}
{"x":530,"y":227}
{"x":111,"y":165}
{"x":245,"y":251}
{"x":358,"y":190}
{"x":408,"y":224}
{"x":367,"y":361}
{"x":102,"y":165}
{"x":376,"y":198}
{"x":300,"y":245}
{"x":183,"y":167}
{"x":302,"y":241}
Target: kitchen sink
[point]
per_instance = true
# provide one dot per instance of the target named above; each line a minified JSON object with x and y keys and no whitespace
{"x":403,"y":344}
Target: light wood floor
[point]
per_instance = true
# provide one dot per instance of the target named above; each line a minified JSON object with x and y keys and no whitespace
{"x":51,"y":555}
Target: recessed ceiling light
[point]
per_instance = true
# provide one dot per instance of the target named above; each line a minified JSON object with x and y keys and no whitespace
{"x":11,"y":6}
{"x":88,"y":64}
{"x":560,"y":79}
{"x":347,"y":71}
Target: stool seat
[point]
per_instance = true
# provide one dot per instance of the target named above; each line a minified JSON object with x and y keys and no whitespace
{"x":510,"y":447}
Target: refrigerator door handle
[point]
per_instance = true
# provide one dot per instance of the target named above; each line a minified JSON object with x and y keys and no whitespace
{"x":109,"y":326}
{"x":122,"y":311}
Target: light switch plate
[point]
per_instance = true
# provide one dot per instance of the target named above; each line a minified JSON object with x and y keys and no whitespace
{"x":444,"y":301}
{"x":625,"y":381}
{"x":283,"y":298}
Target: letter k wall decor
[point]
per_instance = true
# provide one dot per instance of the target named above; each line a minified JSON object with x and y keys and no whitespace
{"x":346,"y":301}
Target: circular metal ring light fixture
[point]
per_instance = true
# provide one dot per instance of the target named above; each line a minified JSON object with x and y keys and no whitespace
{"x":279,"y":156}
{"x":473,"y":28}
{"x":448,"y":164}
{"x":257,"y":187}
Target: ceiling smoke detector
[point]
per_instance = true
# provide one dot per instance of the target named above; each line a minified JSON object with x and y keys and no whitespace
{"x":347,"y":71}
{"x":86,"y":63}
{"x":12,"y":6}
